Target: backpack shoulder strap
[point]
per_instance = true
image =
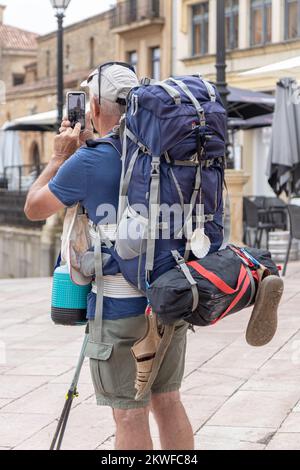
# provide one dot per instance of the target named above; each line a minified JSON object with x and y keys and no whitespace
{"x":111,"y":139}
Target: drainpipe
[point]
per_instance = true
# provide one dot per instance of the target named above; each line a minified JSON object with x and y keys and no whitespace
{"x":174,"y":31}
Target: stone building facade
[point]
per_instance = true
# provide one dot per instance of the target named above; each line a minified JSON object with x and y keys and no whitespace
{"x":28,"y":252}
{"x":160,"y":38}
{"x":143,"y":29}
{"x":18,"y":48}
{"x":86,"y":44}
{"x":258,"y":32}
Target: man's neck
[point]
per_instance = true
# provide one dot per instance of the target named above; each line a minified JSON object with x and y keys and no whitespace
{"x":106,"y":128}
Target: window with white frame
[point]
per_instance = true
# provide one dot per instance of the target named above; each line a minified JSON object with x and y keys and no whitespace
{"x":155,"y":63}
{"x":92,"y":52}
{"x":232,"y":23}
{"x":261,"y":21}
{"x":200,"y":28}
{"x":48,"y":63}
{"x":292,"y":19}
{"x":133,"y":58}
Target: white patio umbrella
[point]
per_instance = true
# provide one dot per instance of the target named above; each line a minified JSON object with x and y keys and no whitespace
{"x":284,"y":158}
{"x":10,"y":157}
{"x":288,"y":64}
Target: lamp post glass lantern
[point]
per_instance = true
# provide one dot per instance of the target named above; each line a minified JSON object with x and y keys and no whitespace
{"x":60,"y":6}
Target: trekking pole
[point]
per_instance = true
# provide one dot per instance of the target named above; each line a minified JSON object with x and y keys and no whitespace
{"x":72,"y":393}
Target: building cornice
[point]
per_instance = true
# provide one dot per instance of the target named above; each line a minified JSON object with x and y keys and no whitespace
{"x":93,"y":19}
{"x":139,"y":25}
{"x":21,"y":52}
{"x":46,"y":85}
{"x":253,"y":51}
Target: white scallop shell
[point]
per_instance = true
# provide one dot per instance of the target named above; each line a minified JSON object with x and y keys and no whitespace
{"x":200,"y":243}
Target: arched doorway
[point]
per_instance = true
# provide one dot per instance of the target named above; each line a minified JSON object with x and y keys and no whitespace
{"x":34,"y":157}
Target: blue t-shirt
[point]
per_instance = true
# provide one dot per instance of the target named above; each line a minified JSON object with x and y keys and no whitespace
{"x":92,"y":177}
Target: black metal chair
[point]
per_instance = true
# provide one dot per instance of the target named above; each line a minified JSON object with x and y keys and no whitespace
{"x":256,"y":219}
{"x":294,"y":215}
{"x":277,"y":212}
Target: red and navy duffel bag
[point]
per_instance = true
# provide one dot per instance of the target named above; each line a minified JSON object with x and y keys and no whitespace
{"x":225,"y":281}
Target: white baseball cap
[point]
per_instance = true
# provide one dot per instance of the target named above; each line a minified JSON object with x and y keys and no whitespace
{"x":116,"y":80}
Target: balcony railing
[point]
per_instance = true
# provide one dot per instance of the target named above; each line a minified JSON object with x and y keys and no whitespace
{"x":19,"y":177}
{"x":15,"y":182}
{"x":133,"y":11}
{"x":12,"y":210}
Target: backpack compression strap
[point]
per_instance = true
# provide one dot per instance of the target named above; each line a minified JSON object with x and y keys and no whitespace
{"x":187,"y":91}
{"x":184,"y":268}
{"x":96,"y":324}
{"x":198,"y":179}
{"x":153,"y":194}
{"x":153,"y":213}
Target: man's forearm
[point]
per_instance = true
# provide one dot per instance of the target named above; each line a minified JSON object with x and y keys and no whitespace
{"x":41,"y":202}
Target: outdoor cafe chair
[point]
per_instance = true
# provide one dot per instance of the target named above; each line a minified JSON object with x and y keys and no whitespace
{"x":294,"y":217}
{"x":277,"y":212}
{"x":256,"y":219}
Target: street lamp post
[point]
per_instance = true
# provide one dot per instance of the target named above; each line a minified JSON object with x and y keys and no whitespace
{"x":221,"y":52}
{"x":60,"y":6}
{"x":221,"y":65}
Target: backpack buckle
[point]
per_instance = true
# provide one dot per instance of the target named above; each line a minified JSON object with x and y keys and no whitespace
{"x":155,"y":166}
{"x":177,"y":257}
{"x":146,"y":81}
{"x":202,"y":119}
{"x":209,"y":218}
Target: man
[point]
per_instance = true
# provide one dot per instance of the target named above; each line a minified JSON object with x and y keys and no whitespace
{"x":91,"y":176}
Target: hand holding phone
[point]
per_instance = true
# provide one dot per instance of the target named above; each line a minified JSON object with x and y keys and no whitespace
{"x":76,"y":103}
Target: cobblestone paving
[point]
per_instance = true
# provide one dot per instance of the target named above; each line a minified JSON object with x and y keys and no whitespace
{"x":237,"y":397}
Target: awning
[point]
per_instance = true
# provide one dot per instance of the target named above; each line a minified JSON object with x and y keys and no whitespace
{"x":246,"y":104}
{"x":256,"y":122}
{"x":275,"y":67}
{"x":42,"y":122}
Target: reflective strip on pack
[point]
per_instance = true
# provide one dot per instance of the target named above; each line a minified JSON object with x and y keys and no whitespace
{"x":116,"y":287}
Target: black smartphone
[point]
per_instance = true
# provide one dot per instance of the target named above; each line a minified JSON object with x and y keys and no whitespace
{"x":76,"y":103}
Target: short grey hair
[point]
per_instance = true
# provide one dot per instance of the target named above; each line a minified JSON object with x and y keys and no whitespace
{"x":108,"y":107}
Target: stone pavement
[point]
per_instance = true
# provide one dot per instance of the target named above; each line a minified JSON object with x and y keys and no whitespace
{"x":237,"y":397}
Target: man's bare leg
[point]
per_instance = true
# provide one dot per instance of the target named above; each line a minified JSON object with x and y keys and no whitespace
{"x":133,"y":431}
{"x":175,"y":429}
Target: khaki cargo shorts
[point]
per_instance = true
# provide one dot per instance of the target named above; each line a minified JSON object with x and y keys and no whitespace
{"x":114,"y":375}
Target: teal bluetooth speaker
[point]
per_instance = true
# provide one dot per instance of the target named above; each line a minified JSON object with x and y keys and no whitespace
{"x":69,"y":301}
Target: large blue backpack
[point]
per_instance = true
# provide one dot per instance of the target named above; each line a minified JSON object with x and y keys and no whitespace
{"x":173,"y":157}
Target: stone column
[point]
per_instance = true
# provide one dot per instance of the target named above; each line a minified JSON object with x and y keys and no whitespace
{"x":212,"y":44}
{"x":49,"y":234}
{"x":244,"y":24}
{"x":277,"y":21}
{"x":236,"y":180}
